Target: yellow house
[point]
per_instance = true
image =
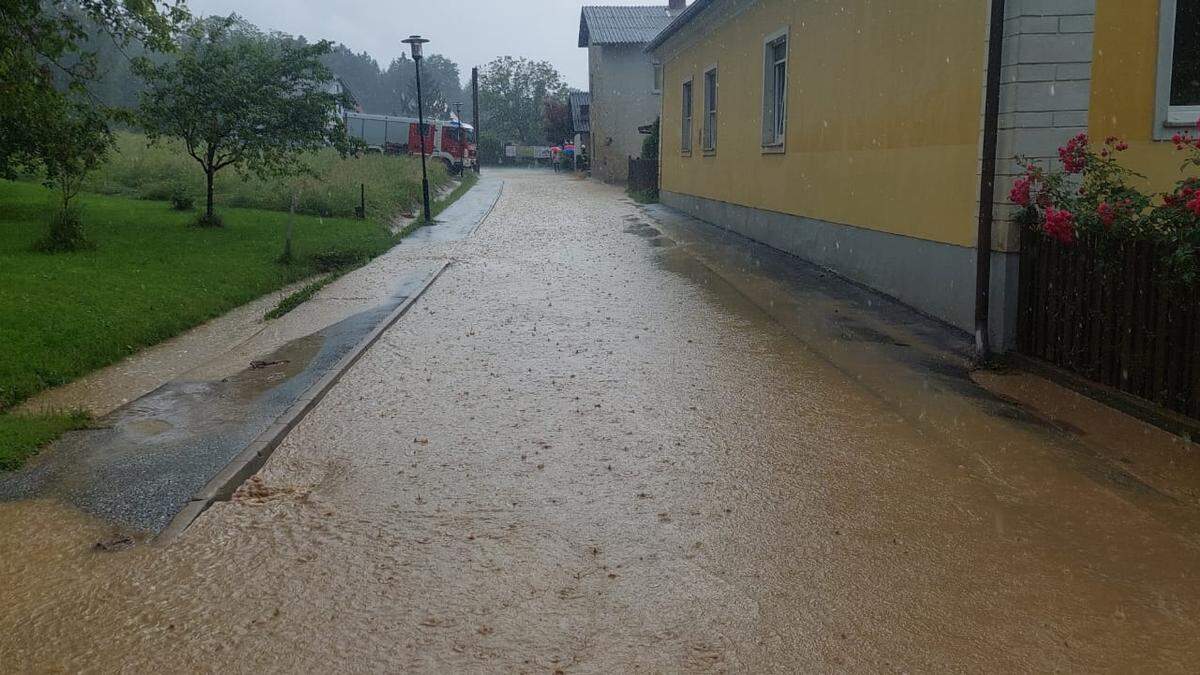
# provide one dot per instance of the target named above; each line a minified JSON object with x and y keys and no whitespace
{"x":854,"y":133}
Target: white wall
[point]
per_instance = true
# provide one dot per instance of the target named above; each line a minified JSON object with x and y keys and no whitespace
{"x":623,"y":98}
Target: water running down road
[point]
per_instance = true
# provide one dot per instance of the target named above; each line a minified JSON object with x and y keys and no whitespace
{"x":597,"y":444}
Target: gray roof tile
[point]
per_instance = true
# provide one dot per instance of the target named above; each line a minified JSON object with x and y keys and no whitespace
{"x":631,"y":24}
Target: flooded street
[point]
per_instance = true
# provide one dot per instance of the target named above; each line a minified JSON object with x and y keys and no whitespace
{"x":601,"y":442}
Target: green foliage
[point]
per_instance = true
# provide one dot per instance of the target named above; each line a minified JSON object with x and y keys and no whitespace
{"x":64,"y":316}
{"x":46,"y":69}
{"x":237,"y":99}
{"x":294,"y":300}
{"x":339,"y":259}
{"x":1094,"y":197}
{"x":181,"y":200}
{"x":73,"y":143}
{"x":512,"y":95}
{"x":65,"y":233}
{"x":22,"y":435}
{"x":490,"y":149}
{"x":208,"y":220}
{"x":650,"y":142}
{"x":331,"y":189}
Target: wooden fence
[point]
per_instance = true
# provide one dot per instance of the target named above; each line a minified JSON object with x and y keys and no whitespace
{"x":643,"y":175}
{"x":1112,"y":321}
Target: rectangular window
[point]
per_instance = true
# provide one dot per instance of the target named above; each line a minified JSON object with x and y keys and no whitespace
{"x":686,"y":144}
{"x":710,"y":109}
{"x":774,"y":115}
{"x":1178,"y":66}
{"x":658,"y":77}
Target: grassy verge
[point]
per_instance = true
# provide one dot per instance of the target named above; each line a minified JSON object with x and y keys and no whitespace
{"x":22,"y":435}
{"x":392,"y":184}
{"x":298,"y":298}
{"x":150,"y":277}
{"x":306,"y":293}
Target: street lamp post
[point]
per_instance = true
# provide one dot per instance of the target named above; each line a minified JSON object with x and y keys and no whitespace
{"x":416,"y":41}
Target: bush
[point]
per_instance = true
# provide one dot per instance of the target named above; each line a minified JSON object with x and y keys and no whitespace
{"x":66,"y":232}
{"x":650,"y":142}
{"x":181,"y":200}
{"x":206,"y":221}
{"x":1096,"y":198}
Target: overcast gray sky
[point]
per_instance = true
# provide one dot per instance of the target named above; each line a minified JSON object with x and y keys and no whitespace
{"x":469,"y":32}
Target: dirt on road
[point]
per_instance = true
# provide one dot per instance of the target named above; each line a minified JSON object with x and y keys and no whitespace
{"x":595,"y":445}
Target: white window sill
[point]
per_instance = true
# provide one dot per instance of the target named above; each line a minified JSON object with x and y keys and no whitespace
{"x":775,"y":149}
{"x":1182,"y":116}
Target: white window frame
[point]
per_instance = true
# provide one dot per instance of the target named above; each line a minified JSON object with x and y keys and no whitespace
{"x":708,"y":129}
{"x":773,"y":140}
{"x":687,"y":114}
{"x":656,"y":75}
{"x":1169,"y":119}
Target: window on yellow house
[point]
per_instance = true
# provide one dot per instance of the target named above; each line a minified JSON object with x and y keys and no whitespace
{"x":710,"y":109}
{"x":658,"y":77}
{"x":1178,"y":66}
{"x":686,"y":141}
{"x":774,"y":115}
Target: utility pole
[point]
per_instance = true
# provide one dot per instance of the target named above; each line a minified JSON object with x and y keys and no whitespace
{"x":475,"y":111}
{"x":416,"y":42}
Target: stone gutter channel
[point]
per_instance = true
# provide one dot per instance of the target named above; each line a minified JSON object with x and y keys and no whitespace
{"x":153,"y":465}
{"x":246,"y":464}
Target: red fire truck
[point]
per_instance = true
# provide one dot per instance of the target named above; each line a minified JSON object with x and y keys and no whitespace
{"x":451,"y":141}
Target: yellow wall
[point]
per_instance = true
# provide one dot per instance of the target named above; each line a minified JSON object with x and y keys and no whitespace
{"x":883,"y":124}
{"x":1124,"y":70}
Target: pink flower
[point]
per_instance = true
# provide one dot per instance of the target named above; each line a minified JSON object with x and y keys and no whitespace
{"x":1194,"y":205}
{"x":1060,"y":224}
{"x":1107,"y":213}
{"x":1020,"y":193}
{"x":1074,"y":154}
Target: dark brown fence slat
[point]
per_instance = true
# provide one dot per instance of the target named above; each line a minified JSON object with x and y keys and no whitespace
{"x":643,"y":175}
{"x":1112,"y":320}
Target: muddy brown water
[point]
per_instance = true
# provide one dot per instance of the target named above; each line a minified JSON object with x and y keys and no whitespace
{"x":580,"y":452}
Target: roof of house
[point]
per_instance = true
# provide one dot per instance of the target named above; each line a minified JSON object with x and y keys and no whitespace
{"x":673,"y":27}
{"x":632,"y":25}
{"x":581,"y":122}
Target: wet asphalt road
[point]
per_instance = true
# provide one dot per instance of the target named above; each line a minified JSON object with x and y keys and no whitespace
{"x":603,"y":443}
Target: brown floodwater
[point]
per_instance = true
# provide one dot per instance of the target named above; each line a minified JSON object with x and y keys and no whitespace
{"x":588,"y":449}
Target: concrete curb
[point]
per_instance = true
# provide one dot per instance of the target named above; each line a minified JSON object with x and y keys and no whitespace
{"x":250,"y":460}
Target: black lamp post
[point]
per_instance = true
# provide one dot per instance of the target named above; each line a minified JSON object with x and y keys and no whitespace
{"x":415,"y":41}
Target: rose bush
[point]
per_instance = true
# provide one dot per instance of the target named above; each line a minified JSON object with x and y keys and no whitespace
{"x":1093,"y":197}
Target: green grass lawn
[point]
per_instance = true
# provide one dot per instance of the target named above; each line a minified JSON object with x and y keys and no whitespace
{"x":151,"y":277}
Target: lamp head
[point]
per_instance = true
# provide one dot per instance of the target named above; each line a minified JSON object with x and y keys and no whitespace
{"x":415,"y":41}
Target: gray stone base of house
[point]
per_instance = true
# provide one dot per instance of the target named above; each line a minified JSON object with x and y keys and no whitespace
{"x":934,"y":278}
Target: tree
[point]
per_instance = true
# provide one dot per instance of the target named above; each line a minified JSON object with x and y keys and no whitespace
{"x":236,"y":98}
{"x":46,"y":68}
{"x":512,"y":95}
{"x":361,"y":74}
{"x":557,"y":125}
{"x":439,"y":84}
{"x":73,"y":142}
